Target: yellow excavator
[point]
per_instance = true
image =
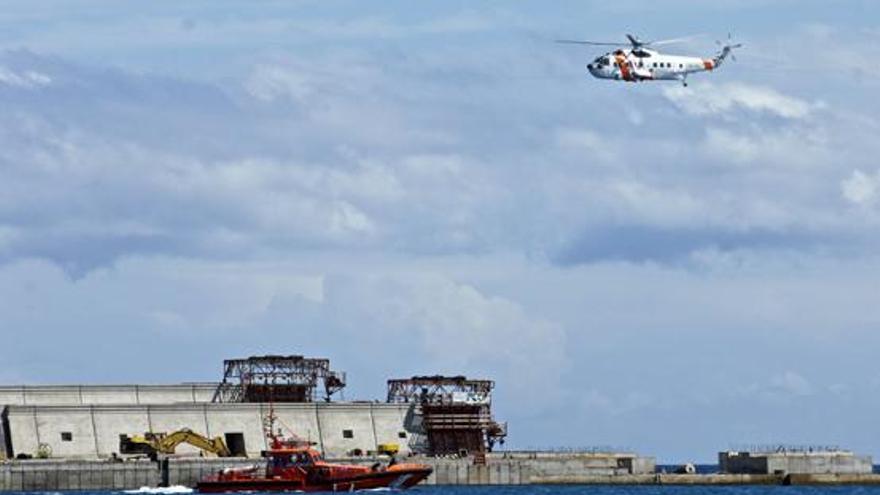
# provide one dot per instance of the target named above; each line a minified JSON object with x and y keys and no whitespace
{"x":153,"y":444}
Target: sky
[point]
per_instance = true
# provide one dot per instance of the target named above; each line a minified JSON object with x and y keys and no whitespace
{"x":438,"y":187}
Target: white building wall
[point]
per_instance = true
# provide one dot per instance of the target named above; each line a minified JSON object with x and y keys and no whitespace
{"x":77,"y":421}
{"x":22,"y":431}
{"x":356,"y":418}
{"x":96,"y":429}
{"x":389,"y":421}
{"x":106,"y":394}
{"x":112,"y":421}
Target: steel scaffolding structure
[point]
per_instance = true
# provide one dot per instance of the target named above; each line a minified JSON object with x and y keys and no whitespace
{"x":278,"y":379}
{"x":456,"y":412}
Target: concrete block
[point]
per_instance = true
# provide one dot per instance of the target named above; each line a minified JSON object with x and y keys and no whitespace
{"x":119,"y":479}
{"x":5,"y":478}
{"x":441,"y":473}
{"x":17,"y":479}
{"x":463,"y":475}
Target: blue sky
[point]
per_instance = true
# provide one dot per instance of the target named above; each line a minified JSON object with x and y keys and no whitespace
{"x":442,"y":189}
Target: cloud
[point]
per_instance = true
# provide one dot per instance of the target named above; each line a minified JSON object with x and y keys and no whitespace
{"x":26,"y":80}
{"x":333,"y":150}
{"x":413,"y":321}
{"x":455,"y":327}
{"x":708,"y":99}
{"x":791,"y":383}
{"x":861,"y":189}
{"x":790,"y":148}
{"x":781,"y":387}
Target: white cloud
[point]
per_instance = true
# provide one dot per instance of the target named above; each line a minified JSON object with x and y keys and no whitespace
{"x":781,"y":387}
{"x":25,"y":80}
{"x":791,"y":383}
{"x":860,"y":188}
{"x":788,"y":148}
{"x":590,"y":145}
{"x":270,"y":82}
{"x":455,"y":327}
{"x":710,"y":99}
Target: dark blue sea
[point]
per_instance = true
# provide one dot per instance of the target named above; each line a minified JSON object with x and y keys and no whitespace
{"x":591,"y":490}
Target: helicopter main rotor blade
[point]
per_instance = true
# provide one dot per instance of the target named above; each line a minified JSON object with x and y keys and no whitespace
{"x":593,"y":43}
{"x":674,"y":40}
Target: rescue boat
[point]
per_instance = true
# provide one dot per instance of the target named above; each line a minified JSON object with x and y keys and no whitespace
{"x":293,"y":465}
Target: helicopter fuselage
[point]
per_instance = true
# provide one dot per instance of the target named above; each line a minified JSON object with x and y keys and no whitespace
{"x":647,"y":65}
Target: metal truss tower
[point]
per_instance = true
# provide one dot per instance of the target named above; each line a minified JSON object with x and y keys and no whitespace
{"x":278,"y":379}
{"x":456,"y":412}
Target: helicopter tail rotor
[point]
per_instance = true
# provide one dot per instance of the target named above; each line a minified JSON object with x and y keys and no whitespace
{"x":726,"y":50}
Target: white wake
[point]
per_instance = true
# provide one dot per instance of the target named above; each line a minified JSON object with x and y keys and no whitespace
{"x":169,"y":490}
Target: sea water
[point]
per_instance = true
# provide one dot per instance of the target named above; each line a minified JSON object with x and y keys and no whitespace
{"x":568,"y":490}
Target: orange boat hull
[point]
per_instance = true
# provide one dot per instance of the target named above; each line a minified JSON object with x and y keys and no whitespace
{"x":393,"y":478}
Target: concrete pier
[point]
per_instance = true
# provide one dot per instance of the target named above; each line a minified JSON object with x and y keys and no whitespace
{"x":782,"y":461}
{"x":52,"y":475}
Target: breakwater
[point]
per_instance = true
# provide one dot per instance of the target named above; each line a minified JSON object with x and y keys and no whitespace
{"x":53,"y":475}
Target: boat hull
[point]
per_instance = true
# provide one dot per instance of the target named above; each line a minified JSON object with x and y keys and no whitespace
{"x":399,"y":479}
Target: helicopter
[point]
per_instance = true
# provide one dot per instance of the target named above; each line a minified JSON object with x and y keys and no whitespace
{"x":637,"y":62}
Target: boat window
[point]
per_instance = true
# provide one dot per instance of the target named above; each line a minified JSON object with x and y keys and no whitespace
{"x":347,"y":434}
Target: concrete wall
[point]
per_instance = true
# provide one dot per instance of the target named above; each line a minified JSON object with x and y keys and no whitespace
{"x":578,"y":463}
{"x":24,"y":395}
{"x":50,"y":475}
{"x":820,"y":463}
{"x":94,"y":429}
{"x":742,"y":463}
{"x":53,"y":475}
{"x":795,"y":463}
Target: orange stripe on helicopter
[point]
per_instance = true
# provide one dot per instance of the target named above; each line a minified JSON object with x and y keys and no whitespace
{"x":624,"y":67}
{"x":708,"y":64}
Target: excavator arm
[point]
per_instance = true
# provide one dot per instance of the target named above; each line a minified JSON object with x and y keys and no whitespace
{"x":152,"y":443}
{"x":169,"y":443}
